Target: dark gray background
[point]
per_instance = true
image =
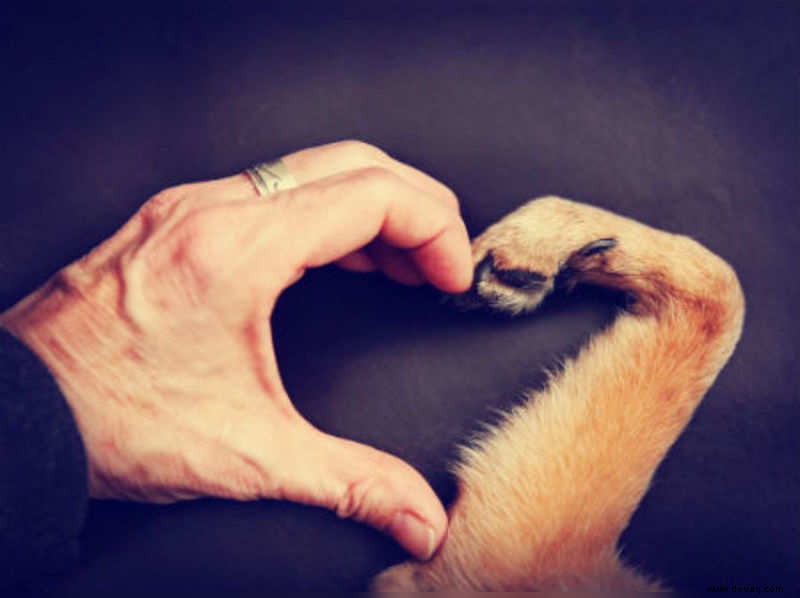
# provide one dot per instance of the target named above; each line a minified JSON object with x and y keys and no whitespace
{"x":683,"y":115}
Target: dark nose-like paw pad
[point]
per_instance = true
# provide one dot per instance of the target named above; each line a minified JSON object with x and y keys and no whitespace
{"x":518,"y":279}
{"x":523,"y":282}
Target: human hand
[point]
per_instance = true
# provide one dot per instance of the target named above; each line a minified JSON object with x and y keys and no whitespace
{"x":160,"y":337}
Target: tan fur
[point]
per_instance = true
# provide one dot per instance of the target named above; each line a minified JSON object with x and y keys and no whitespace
{"x":545,"y":495}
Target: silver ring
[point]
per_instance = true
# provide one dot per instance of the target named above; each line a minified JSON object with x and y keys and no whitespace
{"x":271,"y":177}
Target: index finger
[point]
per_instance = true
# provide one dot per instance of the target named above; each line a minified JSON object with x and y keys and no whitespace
{"x":345,"y":212}
{"x":323,"y":161}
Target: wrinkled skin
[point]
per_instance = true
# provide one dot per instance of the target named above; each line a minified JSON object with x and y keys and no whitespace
{"x":160,"y":337}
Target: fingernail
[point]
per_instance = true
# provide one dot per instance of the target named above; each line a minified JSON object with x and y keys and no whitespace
{"x":414,"y":534}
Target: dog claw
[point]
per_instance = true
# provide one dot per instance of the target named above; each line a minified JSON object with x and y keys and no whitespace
{"x":598,"y":246}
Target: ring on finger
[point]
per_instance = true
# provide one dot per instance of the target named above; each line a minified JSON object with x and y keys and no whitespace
{"x":270,"y":177}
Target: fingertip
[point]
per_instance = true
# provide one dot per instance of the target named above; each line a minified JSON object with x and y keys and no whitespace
{"x":421,"y":528}
{"x":414,"y":534}
{"x":464,"y":273}
{"x":462,"y":278}
{"x":447,"y":260}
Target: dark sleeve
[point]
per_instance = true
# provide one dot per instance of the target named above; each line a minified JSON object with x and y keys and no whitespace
{"x":43,"y":475}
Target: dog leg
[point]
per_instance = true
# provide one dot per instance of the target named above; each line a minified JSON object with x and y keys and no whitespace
{"x":545,"y":495}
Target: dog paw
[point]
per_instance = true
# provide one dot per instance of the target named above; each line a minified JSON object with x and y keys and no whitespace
{"x":546,"y":243}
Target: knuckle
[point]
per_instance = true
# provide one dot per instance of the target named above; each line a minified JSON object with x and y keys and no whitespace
{"x":450,"y":199}
{"x":359,"y":498}
{"x":194,"y":230}
{"x":163,"y":201}
{"x":361,"y":152}
{"x":194,"y":253}
{"x":368,"y":497}
{"x":70,"y":278}
{"x":375,"y":180}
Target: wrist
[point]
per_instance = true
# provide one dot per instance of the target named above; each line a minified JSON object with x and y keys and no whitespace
{"x":68,"y":326}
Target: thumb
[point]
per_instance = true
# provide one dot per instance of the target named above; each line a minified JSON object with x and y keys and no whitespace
{"x":373,"y":487}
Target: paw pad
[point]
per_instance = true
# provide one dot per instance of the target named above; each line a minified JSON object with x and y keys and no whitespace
{"x":515,"y":278}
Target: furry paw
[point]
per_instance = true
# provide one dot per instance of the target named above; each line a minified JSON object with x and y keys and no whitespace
{"x":544,"y":244}
{"x":544,"y":496}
